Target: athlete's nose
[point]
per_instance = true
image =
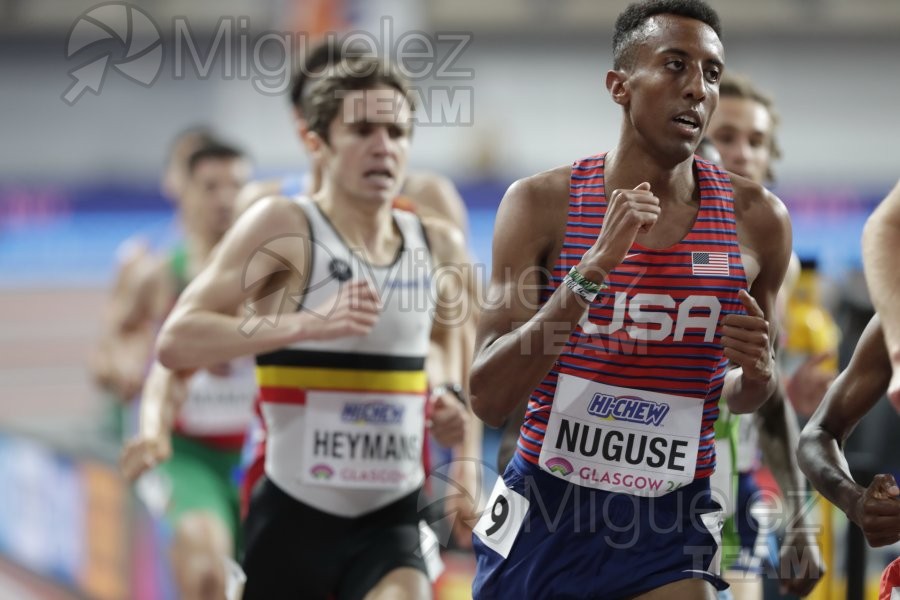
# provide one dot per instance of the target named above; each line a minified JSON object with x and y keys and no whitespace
{"x":695,"y":86}
{"x":381,"y":140}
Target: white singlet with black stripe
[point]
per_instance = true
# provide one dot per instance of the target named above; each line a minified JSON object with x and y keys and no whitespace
{"x":346,"y":417}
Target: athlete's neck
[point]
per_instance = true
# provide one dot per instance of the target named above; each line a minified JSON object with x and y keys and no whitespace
{"x":315,"y":183}
{"x":366,"y":227}
{"x":199,"y":248}
{"x":627,"y":167}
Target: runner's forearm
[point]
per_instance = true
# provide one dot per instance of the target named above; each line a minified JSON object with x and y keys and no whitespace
{"x":514,"y":364}
{"x":160,"y":402}
{"x":746,"y":395}
{"x":203,"y":338}
{"x":821,"y":460}
{"x":778,"y":437}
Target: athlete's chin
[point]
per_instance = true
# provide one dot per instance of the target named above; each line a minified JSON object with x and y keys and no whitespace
{"x":377,"y":196}
{"x":384,"y":193}
{"x":733,"y":168}
{"x":684,"y":150}
{"x":674,"y":154}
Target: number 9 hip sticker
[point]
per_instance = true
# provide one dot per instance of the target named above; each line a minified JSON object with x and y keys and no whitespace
{"x":502,"y":519}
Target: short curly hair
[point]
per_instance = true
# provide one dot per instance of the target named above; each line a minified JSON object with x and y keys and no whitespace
{"x":322,"y":101}
{"x":317,"y":62}
{"x":630,"y":21}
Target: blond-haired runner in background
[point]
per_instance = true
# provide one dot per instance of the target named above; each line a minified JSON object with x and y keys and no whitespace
{"x":743,"y":130}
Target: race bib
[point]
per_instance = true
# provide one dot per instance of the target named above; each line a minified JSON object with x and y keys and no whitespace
{"x":362,"y":439}
{"x":502,"y":518}
{"x":621,"y":440}
{"x":220,"y":405}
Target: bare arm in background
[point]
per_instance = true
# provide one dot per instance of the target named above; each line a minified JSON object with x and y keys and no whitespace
{"x":435,"y":196}
{"x":876,"y":509}
{"x":164,"y":394}
{"x":452,"y":421}
{"x":136,"y":307}
{"x":758,"y":210}
{"x":881,"y":246}
{"x":446,"y":359}
{"x":778,"y":438}
{"x":764,"y":228}
{"x":776,"y":423}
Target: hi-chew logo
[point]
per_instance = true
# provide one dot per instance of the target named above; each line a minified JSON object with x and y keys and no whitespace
{"x":376,"y":413}
{"x":559,"y":465}
{"x":631,"y":409}
{"x":322,"y":472}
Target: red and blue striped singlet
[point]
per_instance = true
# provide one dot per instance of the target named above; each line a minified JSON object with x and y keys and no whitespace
{"x":649,"y":344}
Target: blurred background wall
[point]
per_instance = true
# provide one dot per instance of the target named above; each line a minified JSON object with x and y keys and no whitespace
{"x":535,"y":99}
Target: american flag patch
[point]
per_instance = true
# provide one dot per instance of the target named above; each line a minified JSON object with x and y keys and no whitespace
{"x":709,"y":263}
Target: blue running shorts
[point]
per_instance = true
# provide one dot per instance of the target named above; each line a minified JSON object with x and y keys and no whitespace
{"x":544,"y":537}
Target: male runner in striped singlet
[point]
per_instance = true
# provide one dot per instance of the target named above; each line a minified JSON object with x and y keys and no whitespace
{"x":345,"y":308}
{"x":743,"y":130}
{"x":876,"y":509}
{"x":430,"y":196}
{"x":881,"y":244}
{"x":195,"y":432}
{"x":640,"y":260}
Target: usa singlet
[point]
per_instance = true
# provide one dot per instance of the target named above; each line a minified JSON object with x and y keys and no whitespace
{"x":631,"y":403}
{"x":608,"y":494}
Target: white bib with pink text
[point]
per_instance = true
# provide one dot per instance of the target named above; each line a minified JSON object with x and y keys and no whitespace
{"x":363,"y":440}
{"x":621,"y":440}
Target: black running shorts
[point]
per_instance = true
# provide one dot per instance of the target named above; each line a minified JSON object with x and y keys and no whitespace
{"x":294,"y":551}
